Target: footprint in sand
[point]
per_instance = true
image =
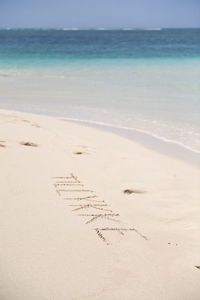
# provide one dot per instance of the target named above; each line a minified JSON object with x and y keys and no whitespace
{"x":30,"y":144}
{"x":130,"y":191}
{"x":2,"y":144}
{"x":172,"y":244}
{"x":36,"y":125}
{"x":80,"y":153}
{"x":32,"y":124}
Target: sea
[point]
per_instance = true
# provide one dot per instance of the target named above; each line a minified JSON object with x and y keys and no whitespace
{"x":140,"y":80}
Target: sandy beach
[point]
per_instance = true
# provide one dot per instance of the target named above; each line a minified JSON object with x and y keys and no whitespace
{"x":87,"y":214}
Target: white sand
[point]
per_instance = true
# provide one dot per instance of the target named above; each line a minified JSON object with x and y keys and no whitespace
{"x":48,"y":252}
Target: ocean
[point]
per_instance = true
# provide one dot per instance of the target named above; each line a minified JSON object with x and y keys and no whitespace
{"x":146,"y":80}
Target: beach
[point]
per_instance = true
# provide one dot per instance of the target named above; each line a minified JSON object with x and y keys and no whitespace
{"x":88,"y":214}
{"x":143,"y":80}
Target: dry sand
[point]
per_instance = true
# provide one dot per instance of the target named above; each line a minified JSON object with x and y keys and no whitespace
{"x":69,"y":231}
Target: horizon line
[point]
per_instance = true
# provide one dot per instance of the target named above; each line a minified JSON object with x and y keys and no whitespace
{"x":94,"y":28}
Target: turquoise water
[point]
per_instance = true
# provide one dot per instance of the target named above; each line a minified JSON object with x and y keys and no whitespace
{"x":148,"y":80}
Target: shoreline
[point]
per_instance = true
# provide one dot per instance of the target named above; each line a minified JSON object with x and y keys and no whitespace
{"x":150,"y":141}
{"x":146,"y":139}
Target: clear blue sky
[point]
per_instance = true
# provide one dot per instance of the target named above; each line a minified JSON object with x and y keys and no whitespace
{"x":99,"y":13}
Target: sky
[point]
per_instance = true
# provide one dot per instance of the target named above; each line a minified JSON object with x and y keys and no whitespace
{"x":99,"y":13}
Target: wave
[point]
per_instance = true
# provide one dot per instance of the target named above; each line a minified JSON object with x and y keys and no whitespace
{"x":4,"y":75}
{"x":146,"y":132}
{"x":142,"y":29}
{"x":128,"y":28}
{"x":153,"y":29}
{"x":73,"y":28}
